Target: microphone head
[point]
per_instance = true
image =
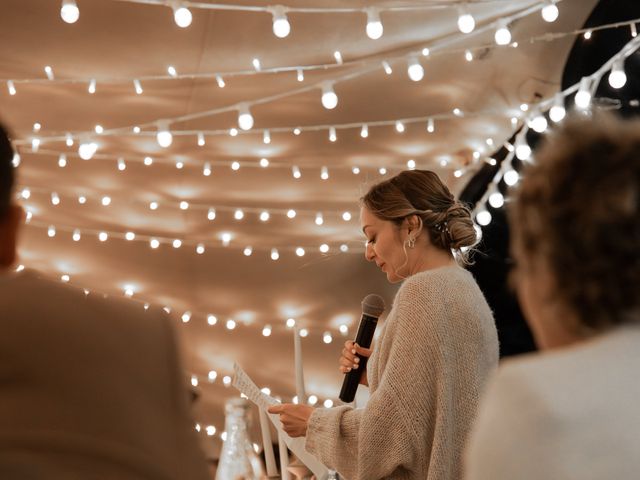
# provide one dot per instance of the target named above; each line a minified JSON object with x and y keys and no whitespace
{"x":373,"y":305}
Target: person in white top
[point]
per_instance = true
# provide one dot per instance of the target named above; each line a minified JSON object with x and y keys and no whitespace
{"x":571,"y":411}
{"x":435,"y":352}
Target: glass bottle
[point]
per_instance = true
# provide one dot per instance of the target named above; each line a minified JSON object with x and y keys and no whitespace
{"x":238,"y":461}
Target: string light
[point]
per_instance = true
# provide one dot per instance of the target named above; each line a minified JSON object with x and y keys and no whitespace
{"x":415,"y":70}
{"x":346,"y":216}
{"x":206,"y":169}
{"x":154,"y":243}
{"x":300,"y":252}
{"x":466,"y":22}
{"x":295,"y":171}
{"x":483,"y":217}
{"x":92,"y":86}
{"x":274,"y":254}
{"x":235,"y":166}
{"x":256,"y":64}
{"x":338,"y":56}
{"x":523,"y":150}
{"x":617,"y":77}
{"x":266,"y":137}
{"x":245,"y":119}
{"x":431,"y":127}
{"x":468,"y":55}
{"x":327,"y":338}
{"x":200,"y":250}
{"x":399,"y":127}
{"x":103,"y":236}
{"x":374,"y":24}
{"x":281,"y":26}
{"x":329,"y":97}
{"x":69,"y":140}
{"x":55,"y":199}
{"x":99,"y":129}
{"x":76,"y":235}
{"x":364,"y":131}
{"x":291,"y":322}
{"x":164,"y":136}
{"x":201,"y":141}
{"x":496,"y":200}
{"x":87,"y":150}
{"x":182,"y":16}
{"x":583,"y":97}
{"x":247,"y":251}
{"x":220,"y":81}
{"x":238,"y":214}
{"x":538,"y":123}
{"x":328,"y":403}
{"x":550,"y":11}
{"x":503,"y":35}
{"x":233,"y":132}
{"x":411,"y":164}
{"x":355,"y":170}
{"x":130,"y":236}
{"x":231,"y":324}
{"x":148,"y":161}
{"x":557,"y":111}
{"x":387,"y":68}
{"x":511,"y":177}
{"x":69,"y":12}
{"x":587,"y":35}
{"x":171,"y":70}
{"x":291,"y":213}
{"x":153,"y":206}
{"x":266,"y":331}
{"x":51,"y":231}
{"x":226,"y":239}
{"x":11,"y":87}
{"x":324,"y":173}
{"x":212,"y":320}
{"x":211,"y":214}
{"x":106,"y":201}
{"x":332,"y":134}
{"x":319,"y":219}
{"x":264,"y":216}
{"x":137,"y":86}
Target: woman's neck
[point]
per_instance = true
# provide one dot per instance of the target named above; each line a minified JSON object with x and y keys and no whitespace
{"x":432,"y":258}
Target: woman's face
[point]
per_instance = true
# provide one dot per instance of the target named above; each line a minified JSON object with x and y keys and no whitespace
{"x":384,"y":245}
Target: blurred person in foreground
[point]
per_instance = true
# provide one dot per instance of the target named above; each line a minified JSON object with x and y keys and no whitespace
{"x":571,"y":412}
{"x":436,"y":350}
{"x":90,"y":387}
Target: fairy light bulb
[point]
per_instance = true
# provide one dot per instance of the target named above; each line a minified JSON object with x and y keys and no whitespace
{"x":328,"y":403}
{"x":233,"y":132}
{"x":374,"y":24}
{"x":245,"y":119}
{"x":51,"y":231}
{"x":355,"y":170}
{"x":182,"y":16}
{"x":468,"y":55}
{"x":382,"y":171}
{"x":106,"y":201}
{"x":466,"y":22}
{"x":35,"y":144}
{"x":153,"y":206}
{"x":69,"y":11}
{"x":264,"y":162}
{"x":186,"y":317}
{"x":483,"y":217}
{"x":399,"y":127}
{"x":212,"y":320}
{"x":248,"y":251}
{"x":538,"y":123}
{"x":274,"y":254}
{"x":235,"y":166}
{"x":295,"y":171}
{"x":103,"y":236}
{"x":211,"y":214}
{"x":226,"y":239}
{"x":201,"y":140}
{"x":26,"y":193}
{"x":496,"y":200}
{"x":511,"y":177}
{"x":148,"y":161}
{"x":297,"y":131}
{"x":550,"y":11}
{"x":291,"y":322}
{"x":327,"y":338}
{"x":324,"y":173}
{"x":346,"y":216}
{"x":324,"y":248}
{"x":300,"y":75}
{"x":557,"y":112}
{"x":266,"y":331}
{"x":411,"y":164}
{"x":502,"y":35}
{"x":415,"y":70}
{"x":431,"y":126}
{"x":130,"y":236}
{"x":11,"y":87}
{"x":206,"y":169}
{"x":92,"y":86}
{"x":55,"y":199}
{"x":338,"y":56}
{"x":76,"y":235}
{"x":164,"y":137}
{"x":583,"y":97}
{"x":87,"y":150}
{"x":220,"y":81}
{"x":300,"y":252}
{"x":238,"y":214}
{"x":281,"y":26}
{"x":256,"y":64}
{"x":200,"y":250}
{"x":344,"y":248}
{"x":617,"y":77}
{"x":343,"y":329}
{"x":332,"y":134}
{"x":266,"y":137}
{"x":137,"y":86}
{"x":364,"y":131}
{"x":387,"y":68}
{"x":291,"y":213}
{"x":319,"y":219}
{"x":264,"y":216}
{"x":82,"y":199}
{"x":329,"y":97}
{"x":154,"y":243}
{"x":523,"y":150}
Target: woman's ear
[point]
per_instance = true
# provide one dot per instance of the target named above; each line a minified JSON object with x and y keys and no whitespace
{"x":414,"y":224}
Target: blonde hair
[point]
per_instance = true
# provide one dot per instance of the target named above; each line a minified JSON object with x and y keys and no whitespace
{"x":422,"y":193}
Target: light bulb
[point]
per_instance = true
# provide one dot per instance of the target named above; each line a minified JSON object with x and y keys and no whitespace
{"x":617,"y":77}
{"x":264,"y":216}
{"x":523,"y":150}
{"x":328,"y":403}
{"x":466,"y":22}
{"x":291,"y":213}
{"x":511,"y":177}
{"x":415,"y":70}
{"x":483,"y":217}
{"x":431,"y":127}
{"x":69,"y":12}
{"x":238,"y":214}
{"x":295,"y":171}
{"x":171,"y":70}
{"x":266,"y":331}
{"x":332,"y":134}
{"x":319,"y":219}
{"x":247,"y":251}
{"x":164,"y":136}
{"x":583,"y":97}
{"x":245,"y":119}
{"x":324,"y":173}
{"x":346,"y":216}
{"x":550,"y":12}
{"x":503,"y":35}
{"x":338,"y":56}
{"x":201,"y":140}
{"x":87,"y":150}
{"x":300,"y":252}
{"x":281,"y":27}
{"x":182,"y":16}
{"x":538,"y":123}
{"x":220,"y":81}
{"x":274,"y":254}
{"x":76,"y":235}
{"x":374,"y":25}
{"x":130,"y":236}
{"x":11,"y":87}
{"x":138,"y":87}
{"x":92,"y":87}
{"x":557,"y":112}
{"x":327,"y":338}
{"x":200,"y":251}
{"x":211,"y":214}
{"x":496,"y":200}
{"x":264,"y":163}
{"x":399,"y":127}
{"x":387,"y":68}
{"x":212,"y":320}
{"x":106,"y":201}
{"x":266,"y":137}
{"x":300,"y":75}
{"x":256,"y":64}
{"x":411,"y":164}
{"x":468,"y":56}
{"x":103,"y":236}
{"x":364,"y":131}
{"x":324,"y":248}
{"x":329,"y":97}
{"x":355,"y":170}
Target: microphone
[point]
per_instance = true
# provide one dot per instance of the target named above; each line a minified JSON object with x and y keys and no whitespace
{"x":372,"y":308}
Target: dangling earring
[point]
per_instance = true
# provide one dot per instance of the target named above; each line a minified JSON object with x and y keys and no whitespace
{"x":411,"y":242}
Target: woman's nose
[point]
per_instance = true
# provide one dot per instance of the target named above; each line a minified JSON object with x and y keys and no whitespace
{"x":369,"y":253}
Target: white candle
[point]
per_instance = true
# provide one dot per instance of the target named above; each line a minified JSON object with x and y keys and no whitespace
{"x":297,"y":348}
{"x":284,"y":457}
{"x":267,"y":446}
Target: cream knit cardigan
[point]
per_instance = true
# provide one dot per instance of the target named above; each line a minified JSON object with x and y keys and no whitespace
{"x":435,"y":352}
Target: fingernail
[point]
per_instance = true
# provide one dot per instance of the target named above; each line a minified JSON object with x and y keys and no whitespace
{"x":357,"y":359}
{"x":355,"y":366}
{"x":348,"y":370}
{"x":353,"y":351}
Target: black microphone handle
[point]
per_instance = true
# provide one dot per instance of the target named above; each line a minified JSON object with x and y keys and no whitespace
{"x":364,"y":337}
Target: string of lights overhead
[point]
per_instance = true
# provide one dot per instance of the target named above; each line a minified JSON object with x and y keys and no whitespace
{"x":554,"y":108}
{"x":374,"y":28}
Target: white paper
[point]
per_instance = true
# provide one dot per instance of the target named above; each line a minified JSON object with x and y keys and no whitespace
{"x":245,"y":385}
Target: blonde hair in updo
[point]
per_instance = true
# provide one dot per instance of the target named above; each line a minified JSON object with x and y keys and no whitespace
{"x":422,"y":193}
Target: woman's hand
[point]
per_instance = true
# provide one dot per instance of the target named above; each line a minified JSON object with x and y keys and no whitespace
{"x":294,"y":418}
{"x":348,"y":360}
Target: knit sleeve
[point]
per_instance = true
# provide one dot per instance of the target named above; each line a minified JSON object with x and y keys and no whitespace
{"x":387,"y":436}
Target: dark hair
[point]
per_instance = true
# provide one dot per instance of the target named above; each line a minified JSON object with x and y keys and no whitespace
{"x":422,"y":193}
{"x":6,"y":171}
{"x":577,"y":210}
